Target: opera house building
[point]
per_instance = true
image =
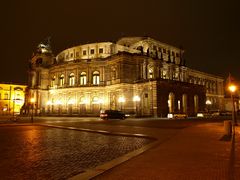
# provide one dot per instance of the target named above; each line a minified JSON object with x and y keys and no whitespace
{"x":138,"y":75}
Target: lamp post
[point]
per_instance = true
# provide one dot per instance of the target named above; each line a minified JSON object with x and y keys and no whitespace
{"x":208,"y":104}
{"x":232,"y":88}
{"x":137,"y":100}
{"x":32,"y":100}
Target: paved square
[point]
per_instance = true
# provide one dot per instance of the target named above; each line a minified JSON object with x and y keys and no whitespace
{"x":37,"y":152}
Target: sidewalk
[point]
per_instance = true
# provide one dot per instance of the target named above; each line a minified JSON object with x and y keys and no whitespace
{"x":194,"y":153}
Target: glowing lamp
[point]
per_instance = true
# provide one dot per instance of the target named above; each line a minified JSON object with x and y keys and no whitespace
{"x":136,"y":98}
{"x":232,"y":88}
{"x":121,"y":99}
{"x":208,"y":102}
{"x":32,"y":100}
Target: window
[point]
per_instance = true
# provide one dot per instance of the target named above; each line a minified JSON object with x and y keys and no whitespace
{"x":77,"y":54}
{"x":164,"y":50}
{"x":84,"y":52}
{"x":177,"y":55}
{"x":173,"y":54}
{"x":96,"y":78}
{"x":61,"y":80}
{"x":53,"y":81}
{"x":100,"y":50}
{"x":71,"y":55}
{"x":92,"y":51}
{"x":83,"y":78}
{"x":71,"y":79}
{"x":164,"y":74}
{"x":0,"y":96}
{"x":150,"y":73}
{"x":6,"y":96}
{"x":18,"y":96}
{"x":113,"y":73}
{"x":67,"y":56}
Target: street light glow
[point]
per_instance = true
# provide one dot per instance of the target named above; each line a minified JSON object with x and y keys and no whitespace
{"x":136,"y":98}
{"x":49,"y":103}
{"x":208,"y":102}
{"x":32,"y":100}
{"x":71,"y":101}
{"x":58,"y":102}
{"x":232,"y":88}
{"x":121,"y":99}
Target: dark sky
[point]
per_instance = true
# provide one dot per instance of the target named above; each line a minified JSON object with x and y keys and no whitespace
{"x":208,"y":30}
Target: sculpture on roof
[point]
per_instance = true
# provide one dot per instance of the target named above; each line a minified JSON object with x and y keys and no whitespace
{"x":45,"y":46}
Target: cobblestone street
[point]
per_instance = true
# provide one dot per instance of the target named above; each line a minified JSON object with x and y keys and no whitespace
{"x":36,"y":152}
{"x":85,"y":148}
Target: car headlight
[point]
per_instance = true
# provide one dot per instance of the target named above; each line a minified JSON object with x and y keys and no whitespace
{"x":170,"y":116}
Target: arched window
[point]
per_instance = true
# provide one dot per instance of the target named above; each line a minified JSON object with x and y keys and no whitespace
{"x":61,"y":80}
{"x":53,"y":81}
{"x":6,"y":96}
{"x":113,"y":73}
{"x":83,"y":78}
{"x":71,"y":79}
{"x":164,"y":74}
{"x":150,"y":73}
{"x":96,"y":78}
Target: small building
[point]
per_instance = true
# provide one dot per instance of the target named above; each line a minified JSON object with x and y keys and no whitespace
{"x":12,"y":98}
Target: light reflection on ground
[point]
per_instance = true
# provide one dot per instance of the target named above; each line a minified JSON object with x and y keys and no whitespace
{"x":35,"y":152}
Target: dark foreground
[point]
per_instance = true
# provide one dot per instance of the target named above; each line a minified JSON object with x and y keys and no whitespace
{"x":84,"y":148}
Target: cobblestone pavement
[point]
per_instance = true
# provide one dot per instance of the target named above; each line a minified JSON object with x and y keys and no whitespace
{"x":195,"y":153}
{"x":36,"y":152}
{"x":187,"y":149}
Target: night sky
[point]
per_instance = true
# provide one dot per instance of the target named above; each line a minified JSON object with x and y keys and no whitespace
{"x":208,"y":30}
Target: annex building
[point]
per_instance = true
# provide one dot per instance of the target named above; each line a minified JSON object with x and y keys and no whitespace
{"x":12,"y":98}
{"x":138,"y":75}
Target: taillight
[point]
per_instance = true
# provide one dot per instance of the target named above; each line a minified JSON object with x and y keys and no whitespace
{"x":103,"y":115}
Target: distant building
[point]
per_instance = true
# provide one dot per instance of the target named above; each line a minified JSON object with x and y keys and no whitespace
{"x":12,"y":98}
{"x":138,"y":75}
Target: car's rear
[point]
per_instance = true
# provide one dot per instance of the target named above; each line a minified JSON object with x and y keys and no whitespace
{"x":104,"y":114}
{"x":112,"y":114}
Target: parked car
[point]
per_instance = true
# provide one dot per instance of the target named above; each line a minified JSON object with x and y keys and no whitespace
{"x":177,"y":116}
{"x":221,"y":113}
{"x":112,"y":114}
{"x":204,"y":115}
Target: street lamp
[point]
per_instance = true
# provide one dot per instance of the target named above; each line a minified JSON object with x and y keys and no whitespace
{"x":32,"y":100}
{"x":232,"y":88}
{"x":137,"y":100}
{"x":208,"y":104}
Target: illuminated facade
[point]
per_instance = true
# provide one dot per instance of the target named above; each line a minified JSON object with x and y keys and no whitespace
{"x":138,"y":75}
{"x":12,"y":98}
